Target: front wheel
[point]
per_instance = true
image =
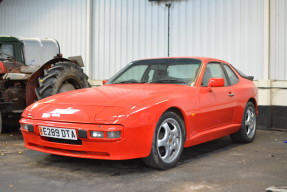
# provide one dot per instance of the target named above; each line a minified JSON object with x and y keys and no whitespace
{"x":249,"y":123}
{"x":168,"y":142}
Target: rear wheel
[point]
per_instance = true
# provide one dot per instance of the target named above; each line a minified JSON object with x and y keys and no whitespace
{"x":168,"y":142}
{"x":249,"y":124}
{"x":62,"y":77}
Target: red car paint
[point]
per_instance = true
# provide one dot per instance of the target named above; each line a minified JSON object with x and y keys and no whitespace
{"x":134,"y":109}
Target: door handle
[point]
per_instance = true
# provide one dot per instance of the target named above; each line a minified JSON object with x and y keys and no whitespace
{"x":231,"y":94}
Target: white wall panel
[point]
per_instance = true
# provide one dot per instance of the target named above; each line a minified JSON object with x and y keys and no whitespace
{"x":231,"y":30}
{"x":63,"y":20}
{"x":278,"y":39}
{"x":126,"y":30}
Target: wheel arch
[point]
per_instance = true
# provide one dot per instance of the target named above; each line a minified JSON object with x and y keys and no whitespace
{"x":181,"y":114}
{"x":176,"y":110}
{"x":254,"y":102}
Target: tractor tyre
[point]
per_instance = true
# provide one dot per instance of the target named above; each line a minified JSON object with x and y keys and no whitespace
{"x":62,"y":77}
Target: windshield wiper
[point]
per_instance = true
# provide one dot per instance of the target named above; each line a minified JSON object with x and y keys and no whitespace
{"x":127,"y":81}
{"x":169,"y":81}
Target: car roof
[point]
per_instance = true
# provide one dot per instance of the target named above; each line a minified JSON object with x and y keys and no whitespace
{"x":203,"y":59}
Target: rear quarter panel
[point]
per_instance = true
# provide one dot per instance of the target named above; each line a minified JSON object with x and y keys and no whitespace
{"x":244,"y":91}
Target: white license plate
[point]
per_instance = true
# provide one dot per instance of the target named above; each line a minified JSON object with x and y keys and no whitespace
{"x":59,"y":133}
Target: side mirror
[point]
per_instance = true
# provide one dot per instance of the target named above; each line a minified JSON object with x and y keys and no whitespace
{"x":105,"y":81}
{"x":216,"y":82}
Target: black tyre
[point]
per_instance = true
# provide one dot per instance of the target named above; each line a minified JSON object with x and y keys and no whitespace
{"x":62,"y":77}
{"x":168,"y":142}
{"x":249,"y":124}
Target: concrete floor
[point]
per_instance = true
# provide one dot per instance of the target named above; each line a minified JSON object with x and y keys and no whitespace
{"x":219,"y":165}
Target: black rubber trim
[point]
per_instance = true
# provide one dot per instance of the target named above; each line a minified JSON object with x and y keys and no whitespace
{"x":30,"y":127}
{"x":82,"y":133}
{"x":71,"y":142}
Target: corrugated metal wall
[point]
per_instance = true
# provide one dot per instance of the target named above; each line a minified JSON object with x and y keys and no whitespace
{"x":63,"y":20}
{"x":230,"y":30}
{"x":125,"y":30}
{"x":278,"y":40}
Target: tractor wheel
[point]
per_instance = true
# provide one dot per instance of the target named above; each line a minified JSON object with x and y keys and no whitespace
{"x":62,"y":77}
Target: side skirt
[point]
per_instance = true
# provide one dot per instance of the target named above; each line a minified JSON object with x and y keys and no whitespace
{"x":212,"y":134}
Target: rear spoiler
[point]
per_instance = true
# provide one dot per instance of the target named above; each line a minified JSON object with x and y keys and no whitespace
{"x":243,"y":75}
{"x":249,"y":77}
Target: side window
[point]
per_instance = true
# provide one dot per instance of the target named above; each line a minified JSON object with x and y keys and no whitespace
{"x":7,"y":49}
{"x":213,"y":70}
{"x":231,"y":75}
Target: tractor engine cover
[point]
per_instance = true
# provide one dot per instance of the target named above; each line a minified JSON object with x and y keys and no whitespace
{"x":10,"y":66}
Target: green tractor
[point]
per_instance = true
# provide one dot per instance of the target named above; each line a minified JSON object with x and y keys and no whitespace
{"x":32,"y":69}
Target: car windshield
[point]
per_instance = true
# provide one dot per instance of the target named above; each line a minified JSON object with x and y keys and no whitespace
{"x":162,"y":71}
{"x":6,"y":51}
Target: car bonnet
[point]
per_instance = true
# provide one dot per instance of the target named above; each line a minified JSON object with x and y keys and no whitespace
{"x":101,"y":104}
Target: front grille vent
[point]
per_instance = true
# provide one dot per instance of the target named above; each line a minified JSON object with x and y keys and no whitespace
{"x":66,"y":141}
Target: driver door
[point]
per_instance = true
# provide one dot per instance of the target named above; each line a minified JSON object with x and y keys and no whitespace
{"x":217,"y":104}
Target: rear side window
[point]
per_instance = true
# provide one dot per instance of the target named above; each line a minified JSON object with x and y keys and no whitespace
{"x":231,"y":75}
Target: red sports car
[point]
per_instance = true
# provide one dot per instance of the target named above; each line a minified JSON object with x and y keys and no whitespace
{"x":151,"y":109}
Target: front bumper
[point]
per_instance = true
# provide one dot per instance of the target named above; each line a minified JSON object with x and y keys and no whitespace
{"x":135,"y":142}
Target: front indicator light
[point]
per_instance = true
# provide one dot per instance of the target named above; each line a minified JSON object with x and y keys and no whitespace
{"x":97,"y":134}
{"x":114,"y":134}
{"x":106,"y":133}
